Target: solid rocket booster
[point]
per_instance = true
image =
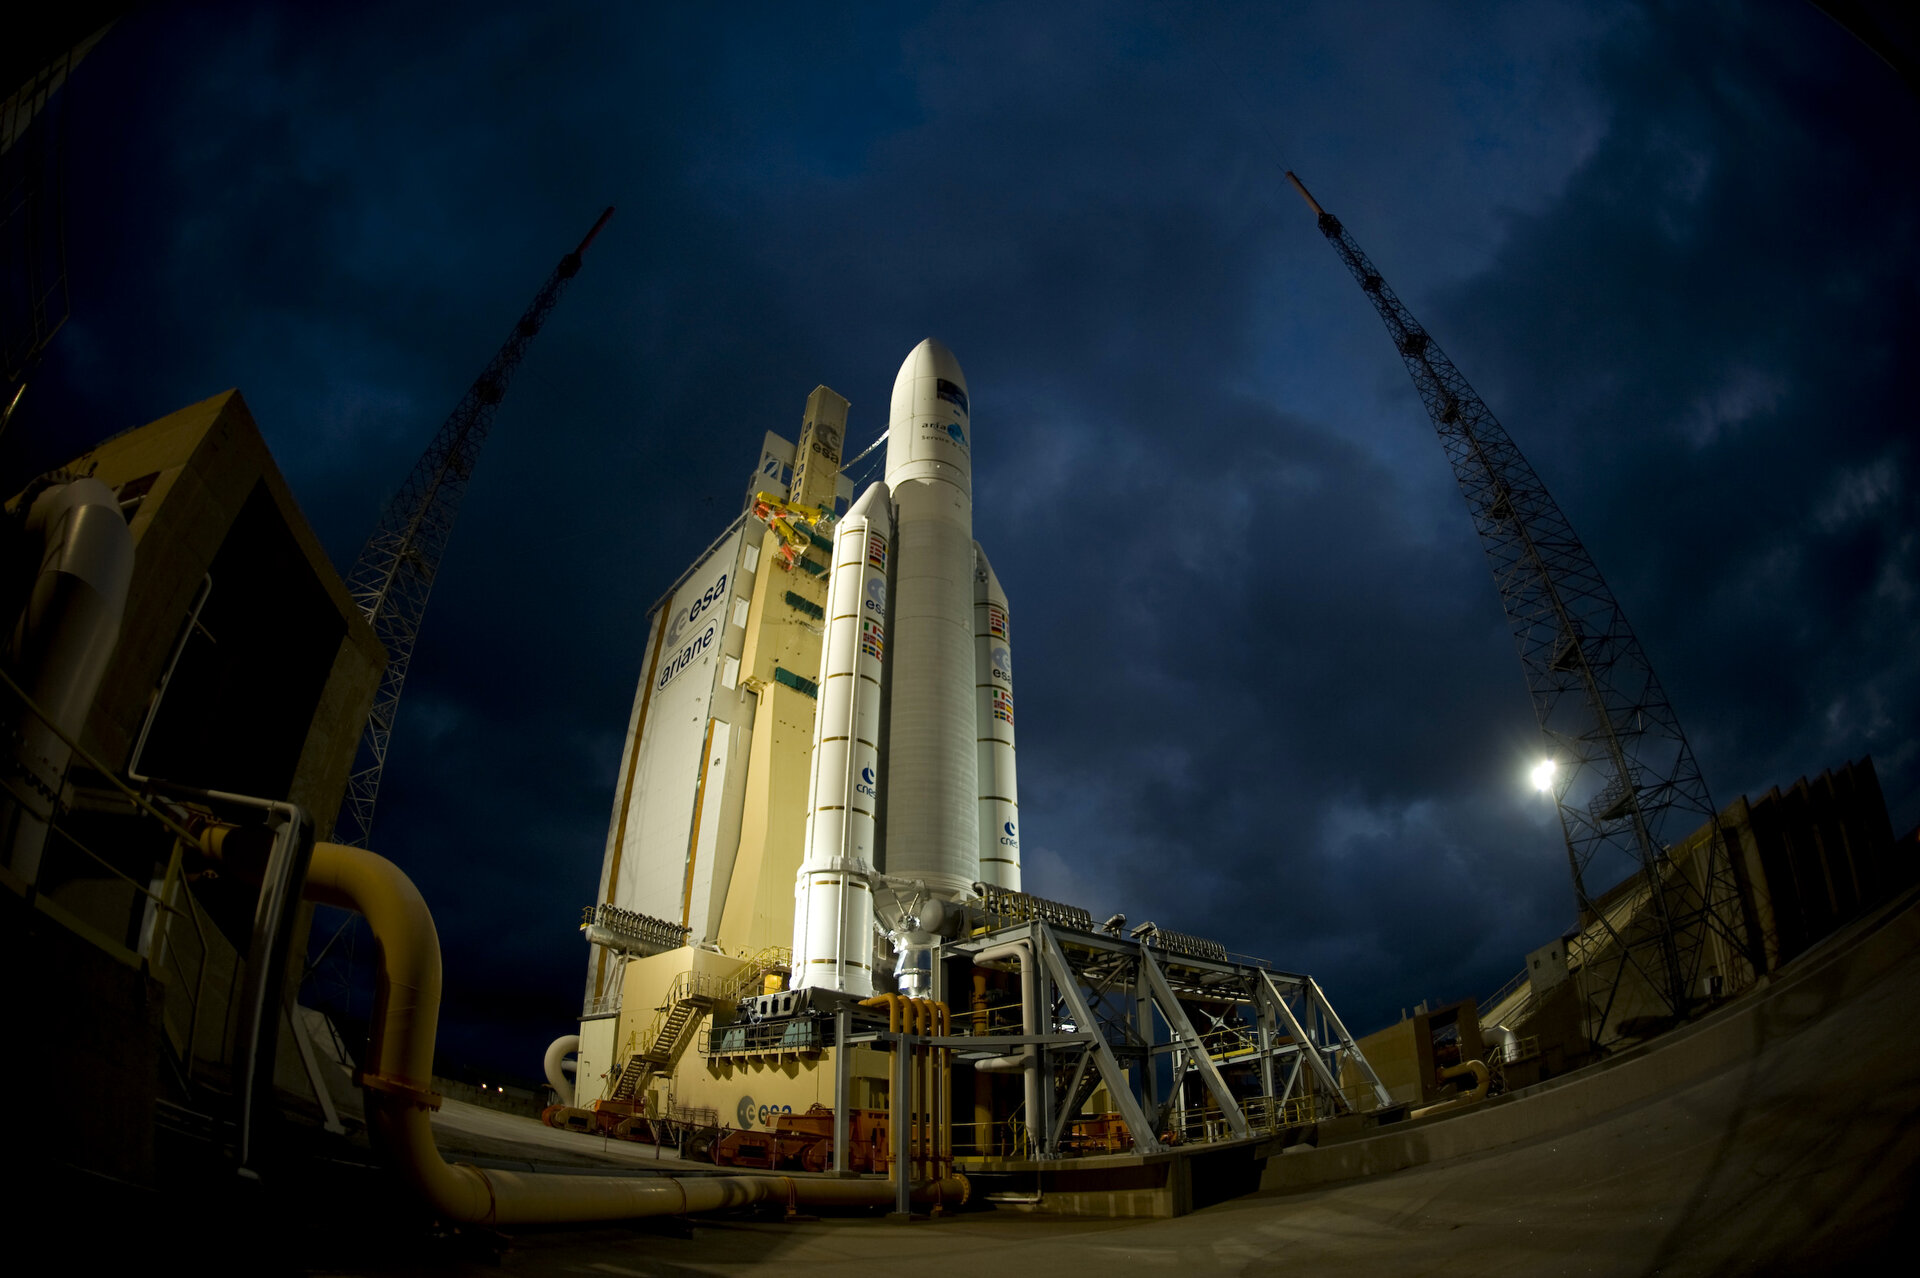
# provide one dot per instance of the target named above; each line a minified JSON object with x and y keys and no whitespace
{"x":933,"y":796}
{"x":993,"y":731}
{"x":833,"y":895}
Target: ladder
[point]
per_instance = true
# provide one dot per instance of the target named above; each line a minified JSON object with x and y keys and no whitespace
{"x":691,"y":996}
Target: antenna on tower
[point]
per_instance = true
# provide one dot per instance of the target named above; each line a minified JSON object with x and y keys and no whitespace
{"x":1627,"y":786}
{"x":394,"y":573}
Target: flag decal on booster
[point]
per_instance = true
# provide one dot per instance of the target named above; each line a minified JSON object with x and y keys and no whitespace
{"x":833,"y":893}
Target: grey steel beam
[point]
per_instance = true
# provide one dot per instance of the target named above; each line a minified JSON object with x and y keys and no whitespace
{"x":1263,"y":1018}
{"x":1143,"y":1012}
{"x":1173,"y":965}
{"x":1311,"y":1050}
{"x":1066,"y":1108}
{"x":1183,"y":1028}
{"x":1340,"y":1030}
{"x":1055,"y":960}
{"x":1293,"y":1078}
{"x":902,"y":1120}
{"x":1038,"y":1125}
{"x":842,"y":1066}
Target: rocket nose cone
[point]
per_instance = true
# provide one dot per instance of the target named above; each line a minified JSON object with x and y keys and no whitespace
{"x":871,"y":504}
{"x":929,"y":423}
{"x":930,"y":359}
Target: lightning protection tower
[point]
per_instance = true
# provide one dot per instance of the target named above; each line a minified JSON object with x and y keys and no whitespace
{"x":394,"y":574}
{"x":1626,"y":785}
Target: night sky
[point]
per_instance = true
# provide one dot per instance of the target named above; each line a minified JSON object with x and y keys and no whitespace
{"x":1266,"y":690}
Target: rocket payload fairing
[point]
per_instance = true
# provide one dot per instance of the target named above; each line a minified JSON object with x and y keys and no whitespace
{"x":913,"y":760}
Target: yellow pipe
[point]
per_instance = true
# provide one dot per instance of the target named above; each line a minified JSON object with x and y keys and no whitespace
{"x":398,"y":1081}
{"x":930,"y":1070}
{"x":1482,"y":1077}
{"x":910,"y":1019}
{"x":945,"y":1015}
{"x":899,"y":1010}
{"x":936,"y":1086}
{"x":892,"y":1003}
{"x":982,"y":1082}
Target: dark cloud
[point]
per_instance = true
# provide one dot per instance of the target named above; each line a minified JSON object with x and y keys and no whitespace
{"x":1672,"y":246}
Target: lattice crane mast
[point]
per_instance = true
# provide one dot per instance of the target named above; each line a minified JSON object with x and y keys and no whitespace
{"x":1627,"y":786}
{"x":394,"y":573}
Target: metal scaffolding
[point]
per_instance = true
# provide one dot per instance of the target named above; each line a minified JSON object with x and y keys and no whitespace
{"x":1627,"y":785}
{"x":1190,"y":1049}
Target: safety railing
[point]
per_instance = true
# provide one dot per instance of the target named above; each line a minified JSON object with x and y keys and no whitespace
{"x":1505,"y":992}
{"x":1198,"y":1125}
{"x":606,"y":1004}
{"x":690,"y":993}
{"x":746,"y":982}
{"x":1517,"y":1048}
{"x":1272,"y":1113}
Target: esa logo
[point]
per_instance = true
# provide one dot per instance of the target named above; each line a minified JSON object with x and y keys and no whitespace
{"x":865,"y":784}
{"x":877,"y":596}
{"x":1008,"y":839}
{"x":954,"y":433}
{"x":746,"y":1112}
{"x":1002,"y":664}
{"x":685,"y":617}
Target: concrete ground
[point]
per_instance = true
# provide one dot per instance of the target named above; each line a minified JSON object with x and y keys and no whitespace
{"x":1802,"y":1158}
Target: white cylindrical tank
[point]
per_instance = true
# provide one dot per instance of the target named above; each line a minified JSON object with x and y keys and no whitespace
{"x":60,"y":649}
{"x":932,"y":802}
{"x":833,"y":895}
{"x":993,"y":731}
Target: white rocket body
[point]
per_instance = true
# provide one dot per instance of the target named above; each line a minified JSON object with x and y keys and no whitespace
{"x":993,"y":731}
{"x":933,"y":795}
{"x":833,"y":895}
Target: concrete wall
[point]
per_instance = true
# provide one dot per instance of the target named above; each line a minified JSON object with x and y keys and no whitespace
{"x":1798,"y":997}
{"x":184,"y":480}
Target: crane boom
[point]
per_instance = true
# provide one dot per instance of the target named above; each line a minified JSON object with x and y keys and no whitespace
{"x":393,"y":576}
{"x":1629,"y":787}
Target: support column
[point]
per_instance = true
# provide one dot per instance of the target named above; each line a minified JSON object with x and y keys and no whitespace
{"x":842,"y":1068}
{"x":901,"y":1104}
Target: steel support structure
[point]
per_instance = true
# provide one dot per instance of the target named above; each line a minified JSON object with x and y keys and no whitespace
{"x":1627,"y":785}
{"x":1121,"y":1012}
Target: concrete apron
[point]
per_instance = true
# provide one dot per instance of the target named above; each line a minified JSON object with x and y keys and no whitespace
{"x":1791,"y":1001}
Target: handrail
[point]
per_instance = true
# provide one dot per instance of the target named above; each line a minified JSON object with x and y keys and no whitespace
{"x":1494,"y":1000}
{"x":773,"y":958}
{"x":688,"y":987}
{"x":605,"y":1004}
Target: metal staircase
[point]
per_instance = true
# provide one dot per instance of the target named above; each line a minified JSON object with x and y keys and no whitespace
{"x":677,"y":1021}
{"x":691,"y":996}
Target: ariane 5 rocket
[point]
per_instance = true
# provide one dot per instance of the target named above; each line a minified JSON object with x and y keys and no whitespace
{"x":912,"y":780}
